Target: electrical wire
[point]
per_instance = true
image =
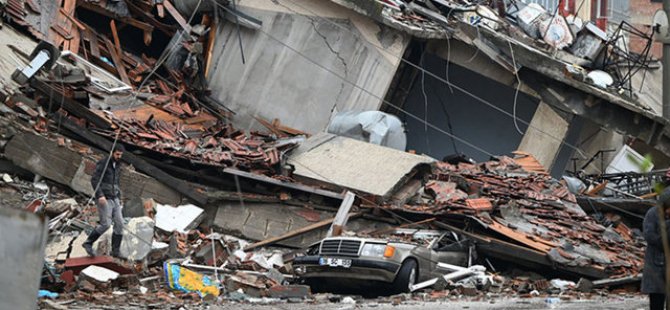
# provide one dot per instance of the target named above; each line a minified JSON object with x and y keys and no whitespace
{"x":118,"y":133}
{"x":425,"y":102}
{"x":483,"y":151}
{"x":516,"y":93}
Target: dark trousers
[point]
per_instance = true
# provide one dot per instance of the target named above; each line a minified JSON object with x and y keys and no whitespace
{"x":656,"y":301}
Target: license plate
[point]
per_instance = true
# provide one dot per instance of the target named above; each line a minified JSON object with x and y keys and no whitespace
{"x":335,"y":262}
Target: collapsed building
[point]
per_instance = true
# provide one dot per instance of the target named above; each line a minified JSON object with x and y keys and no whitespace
{"x":224,"y":105}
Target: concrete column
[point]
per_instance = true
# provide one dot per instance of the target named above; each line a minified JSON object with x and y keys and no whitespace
{"x":537,"y":141}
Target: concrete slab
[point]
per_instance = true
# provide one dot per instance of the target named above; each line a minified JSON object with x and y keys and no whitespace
{"x":362,"y":167}
{"x":181,"y":219}
{"x":45,"y":157}
{"x":259,"y":221}
{"x":100,"y":274}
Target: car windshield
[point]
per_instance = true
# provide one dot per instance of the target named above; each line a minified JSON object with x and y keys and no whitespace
{"x":450,"y":241}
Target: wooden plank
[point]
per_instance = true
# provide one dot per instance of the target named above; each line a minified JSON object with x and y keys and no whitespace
{"x":93,"y":43}
{"x":140,"y":164}
{"x":161,"y":10}
{"x":53,"y":36}
{"x":115,"y":36}
{"x":597,"y":189}
{"x":62,"y":32}
{"x":211,"y":39}
{"x":118,"y":63}
{"x":180,"y":19}
{"x":342,"y":215}
{"x":73,"y":20}
{"x":296,"y":232}
{"x":68,"y":7}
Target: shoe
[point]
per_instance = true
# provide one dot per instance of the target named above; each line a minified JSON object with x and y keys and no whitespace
{"x":116,"y":245}
{"x":88,"y":245}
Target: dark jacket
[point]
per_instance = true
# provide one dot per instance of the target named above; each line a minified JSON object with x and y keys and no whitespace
{"x":653,"y":275}
{"x":109,"y":187}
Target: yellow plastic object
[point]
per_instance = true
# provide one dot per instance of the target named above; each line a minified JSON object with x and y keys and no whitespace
{"x":186,"y":280}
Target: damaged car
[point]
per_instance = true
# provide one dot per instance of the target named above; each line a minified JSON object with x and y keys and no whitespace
{"x":398,"y":262}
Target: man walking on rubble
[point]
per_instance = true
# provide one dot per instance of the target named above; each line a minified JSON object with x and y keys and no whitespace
{"x":105,"y":182}
{"x":653,"y":274}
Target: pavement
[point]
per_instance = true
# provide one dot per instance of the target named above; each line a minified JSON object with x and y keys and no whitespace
{"x":601,"y":303}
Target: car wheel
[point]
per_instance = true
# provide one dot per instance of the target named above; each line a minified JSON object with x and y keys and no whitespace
{"x":406,"y":277}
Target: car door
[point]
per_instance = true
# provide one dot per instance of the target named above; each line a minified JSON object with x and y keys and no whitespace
{"x":450,"y":249}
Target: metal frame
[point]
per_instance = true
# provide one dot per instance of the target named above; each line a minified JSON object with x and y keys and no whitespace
{"x":623,"y":64}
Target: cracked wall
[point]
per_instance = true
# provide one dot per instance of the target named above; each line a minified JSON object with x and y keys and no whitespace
{"x":303,"y":64}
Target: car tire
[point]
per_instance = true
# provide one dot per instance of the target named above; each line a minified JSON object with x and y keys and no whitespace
{"x":406,"y":277}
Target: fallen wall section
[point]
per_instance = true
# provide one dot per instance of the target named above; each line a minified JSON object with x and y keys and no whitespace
{"x":280,"y":82}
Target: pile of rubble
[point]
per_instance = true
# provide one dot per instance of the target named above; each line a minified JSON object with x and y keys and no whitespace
{"x":63,"y":111}
{"x":515,"y":34}
{"x":501,"y":197}
{"x":166,"y":257}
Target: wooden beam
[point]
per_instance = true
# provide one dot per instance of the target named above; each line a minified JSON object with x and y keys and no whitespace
{"x":595,"y":192}
{"x":342,"y":215}
{"x":180,"y":19}
{"x":115,"y":36}
{"x":211,"y":39}
{"x":140,"y":164}
{"x":73,"y":20}
{"x":92,"y":42}
{"x":118,"y":62}
{"x":296,"y":232}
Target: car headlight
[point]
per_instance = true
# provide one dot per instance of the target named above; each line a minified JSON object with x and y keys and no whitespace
{"x":373,"y":249}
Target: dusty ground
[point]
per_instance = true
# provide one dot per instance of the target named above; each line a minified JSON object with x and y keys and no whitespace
{"x":598,"y":304}
{"x":629,"y":303}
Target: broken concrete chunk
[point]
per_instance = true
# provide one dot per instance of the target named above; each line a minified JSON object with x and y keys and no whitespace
{"x":137,"y":242}
{"x":6,"y":178}
{"x":60,"y":206}
{"x":137,"y":239}
{"x":77,"y":249}
{"x":56,"y":249}
{"x":100,"y":274}
{"x":181,"y":219}
{"x":289,"y":291}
